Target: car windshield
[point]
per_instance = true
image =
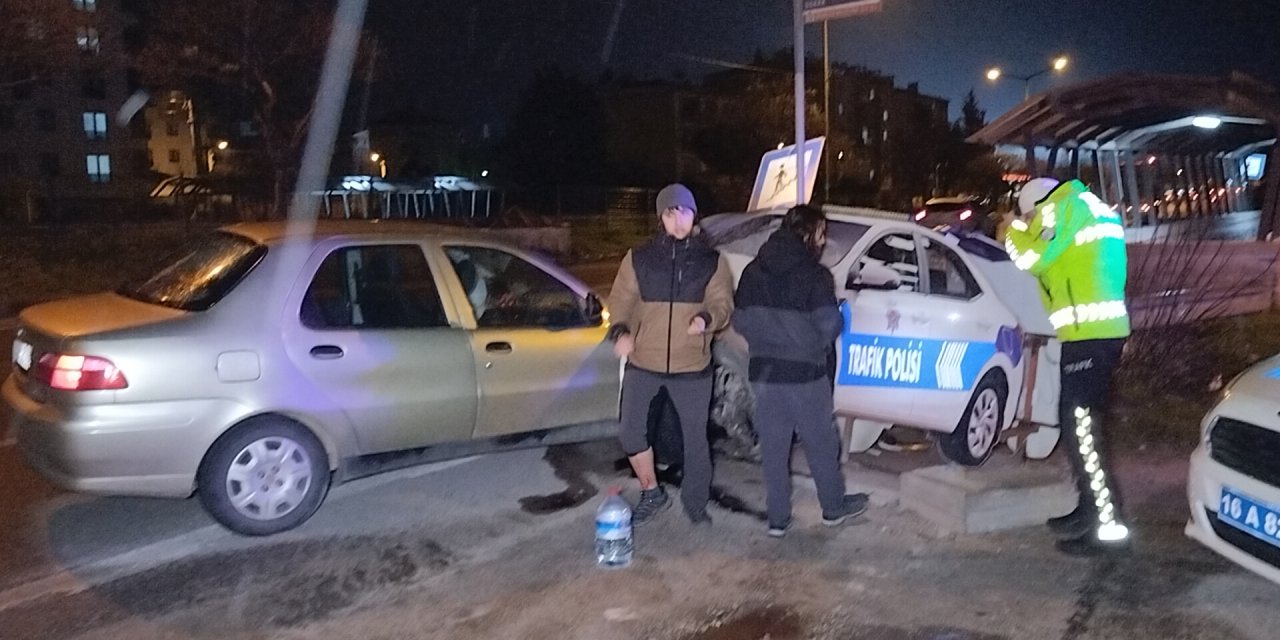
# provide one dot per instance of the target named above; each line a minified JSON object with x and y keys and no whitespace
{"x":198,"y":275}
{"x":747,"y":237}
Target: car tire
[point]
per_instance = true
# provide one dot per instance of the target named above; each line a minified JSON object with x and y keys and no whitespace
{"x":288,"y":461}
{"x":978,"y":430}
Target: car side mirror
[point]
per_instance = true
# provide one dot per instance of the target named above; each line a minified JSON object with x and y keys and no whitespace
{"x":594,"y":310}
{"x":873,"y":276}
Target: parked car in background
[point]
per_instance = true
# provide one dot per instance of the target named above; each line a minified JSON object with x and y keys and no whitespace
{"x":264,"y":363}
{"x":964,"y":213}
{"x":1233,"y":485}
{"x":936,"y":337}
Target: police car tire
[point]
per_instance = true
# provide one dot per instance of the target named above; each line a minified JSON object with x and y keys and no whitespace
{"x":954,"y":446}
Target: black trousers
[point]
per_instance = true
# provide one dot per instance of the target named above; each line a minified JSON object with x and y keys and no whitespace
{"x":1084,"y":412}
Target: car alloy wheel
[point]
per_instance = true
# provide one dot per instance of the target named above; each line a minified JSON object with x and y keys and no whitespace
{"x":978,"y":429}
{"x":984,"y":423}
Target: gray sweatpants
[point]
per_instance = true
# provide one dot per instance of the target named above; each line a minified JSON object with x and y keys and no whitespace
{"x":691,"y":395}
{"x":784,"y":409}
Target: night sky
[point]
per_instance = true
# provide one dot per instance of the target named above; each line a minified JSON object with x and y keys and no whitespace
{"x":467,"y":59}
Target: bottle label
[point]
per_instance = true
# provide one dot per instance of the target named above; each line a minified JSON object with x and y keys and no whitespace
{"x":613,"y":530}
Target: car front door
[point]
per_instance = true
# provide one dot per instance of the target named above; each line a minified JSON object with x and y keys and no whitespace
{"x":372,"y":335}
{"x":541,"y":357}
{"x":880,"y":366}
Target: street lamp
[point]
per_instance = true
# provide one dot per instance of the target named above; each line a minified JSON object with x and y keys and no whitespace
{"x":1058,"y":65}
{"x":377,"y":159}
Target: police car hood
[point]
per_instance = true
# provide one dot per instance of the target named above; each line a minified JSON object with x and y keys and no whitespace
{"x":1262,"y":380}
{"x":1018,"y":290}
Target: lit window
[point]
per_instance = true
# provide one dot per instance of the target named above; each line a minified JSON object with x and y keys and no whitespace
{"x":884,"y":135}
{"x":95,"y":125}
{"x":866,"y":135}
{"x":85,"y":5}
{"x":87,"y":39}
{"x":871,"y":95}
{"x":886,"y":115}
{"x":99,"y":167}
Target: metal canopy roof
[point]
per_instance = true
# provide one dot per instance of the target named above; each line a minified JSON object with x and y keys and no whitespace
{"x":1148,"y":112}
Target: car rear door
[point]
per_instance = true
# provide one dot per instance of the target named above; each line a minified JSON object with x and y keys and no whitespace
{"x":541,"y":358}
{"x":962,"y":334}
{"x":371,"y":334}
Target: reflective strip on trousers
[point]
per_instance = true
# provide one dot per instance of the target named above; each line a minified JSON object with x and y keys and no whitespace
{"x":1099,"y":487}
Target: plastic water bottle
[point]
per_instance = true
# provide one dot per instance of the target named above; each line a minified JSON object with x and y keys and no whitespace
{"x":613,"y":531}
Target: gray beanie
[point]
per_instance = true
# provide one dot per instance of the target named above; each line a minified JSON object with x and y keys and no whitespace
{"x":675,"y":195}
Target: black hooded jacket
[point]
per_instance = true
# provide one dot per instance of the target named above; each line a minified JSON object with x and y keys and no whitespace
{"x":786,"y":310}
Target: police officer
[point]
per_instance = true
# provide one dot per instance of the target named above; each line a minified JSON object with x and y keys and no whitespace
{"x":1075,"y":245}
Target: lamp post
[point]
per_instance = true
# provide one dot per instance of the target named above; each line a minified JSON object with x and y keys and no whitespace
{"x":1058,"y":65}
{"x":377,"y":159}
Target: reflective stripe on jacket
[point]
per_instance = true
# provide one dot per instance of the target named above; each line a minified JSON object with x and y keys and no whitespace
{"x":1074,"y":244}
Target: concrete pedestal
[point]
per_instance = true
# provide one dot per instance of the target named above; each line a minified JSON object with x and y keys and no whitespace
{"x":986,"y":499}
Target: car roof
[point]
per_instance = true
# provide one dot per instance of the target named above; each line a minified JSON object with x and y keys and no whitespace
{"x":274,"y":231}
{"x":874,"y":218}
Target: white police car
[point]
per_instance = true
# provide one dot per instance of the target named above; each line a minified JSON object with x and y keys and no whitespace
{"x":1233,"y":484}
{"x":936,"y":336}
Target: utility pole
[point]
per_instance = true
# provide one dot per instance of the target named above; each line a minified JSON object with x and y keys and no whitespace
{"x":804,"y":12}
{"x":826,"y":110}
{"x":798,"y":17}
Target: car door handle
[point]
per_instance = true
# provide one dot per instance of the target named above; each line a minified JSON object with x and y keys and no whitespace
{"x":326,"y":352}
{"x":498,"y":347}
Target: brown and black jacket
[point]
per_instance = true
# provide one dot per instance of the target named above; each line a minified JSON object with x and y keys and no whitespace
{"x":660,"y":288}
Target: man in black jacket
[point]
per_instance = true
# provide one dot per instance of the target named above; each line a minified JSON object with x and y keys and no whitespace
{"x":786,"y":310}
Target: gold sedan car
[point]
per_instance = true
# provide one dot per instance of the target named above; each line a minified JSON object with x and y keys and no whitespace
{"x":263,"y":364}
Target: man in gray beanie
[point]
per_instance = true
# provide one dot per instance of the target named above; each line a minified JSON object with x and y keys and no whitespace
{"x":671,"y":294}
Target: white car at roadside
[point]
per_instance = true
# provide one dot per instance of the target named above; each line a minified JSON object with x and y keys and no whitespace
{"x":936,"y":336}
{"x":1233,"y":485}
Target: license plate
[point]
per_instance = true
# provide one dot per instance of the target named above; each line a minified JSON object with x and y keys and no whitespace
{"x":1250,"y":515}
{"x":22,"y":355}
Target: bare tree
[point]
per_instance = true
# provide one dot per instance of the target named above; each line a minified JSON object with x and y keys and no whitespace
{"x":259,"y":56}
{"x":1184,"y":275}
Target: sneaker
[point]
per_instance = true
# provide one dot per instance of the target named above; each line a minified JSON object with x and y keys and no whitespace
{"x":854,"y":505}
{"x":652,"y":502}
{"x":779,"y":531}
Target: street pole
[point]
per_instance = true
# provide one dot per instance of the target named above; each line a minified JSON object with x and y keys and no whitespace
{"x":826,"y":112}
{"x":798,"y":18}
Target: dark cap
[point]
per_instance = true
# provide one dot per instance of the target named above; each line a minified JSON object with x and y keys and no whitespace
{"x":676,"y":195}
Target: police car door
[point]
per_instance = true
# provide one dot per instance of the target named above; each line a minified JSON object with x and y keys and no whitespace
{"x":879,"y":366}
{"x":963,"y":330}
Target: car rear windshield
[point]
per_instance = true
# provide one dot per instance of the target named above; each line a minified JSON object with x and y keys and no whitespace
{"x":201,"y":273}
{"x":747,"y":237}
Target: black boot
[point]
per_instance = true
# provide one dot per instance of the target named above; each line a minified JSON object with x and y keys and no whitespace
{"x":1072,"y":526}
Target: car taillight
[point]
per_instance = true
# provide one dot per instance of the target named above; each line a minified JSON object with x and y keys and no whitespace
{"x":920,"y":215}
{"x":78,"y":373}
{"x":964,"y":215}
